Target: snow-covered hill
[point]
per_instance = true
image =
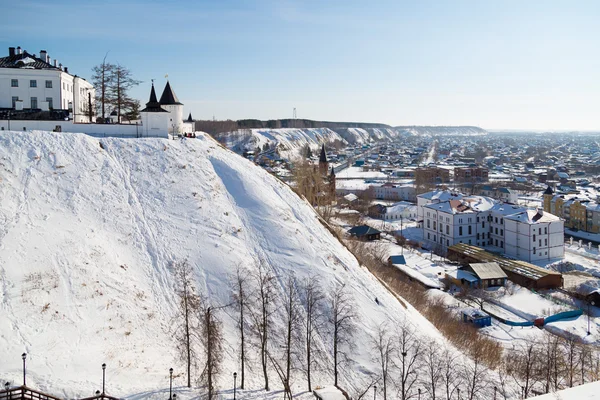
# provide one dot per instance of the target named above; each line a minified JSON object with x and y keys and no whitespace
{"x":289,"y":141}
{"x":89,"y":229}
{"x":361,"y":136}
{"x":442,"y":130}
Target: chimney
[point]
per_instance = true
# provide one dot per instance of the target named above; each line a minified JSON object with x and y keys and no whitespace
{"x":19,"y":51}
{"x":11,"y":51}
{"x":55,"y":63}
{"x":60,"y":66}
{"x":66,"y":70}
{"x":44,"y":55}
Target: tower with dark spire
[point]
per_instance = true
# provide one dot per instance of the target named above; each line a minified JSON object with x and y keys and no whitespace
{"x":548,"y":195}
{"x":323,"y":163}
{"x":155,"y":119}
{"x":170,"y":102}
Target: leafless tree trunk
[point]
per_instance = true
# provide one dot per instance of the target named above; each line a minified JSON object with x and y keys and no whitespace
{"x":384,"y":348}
{"x":570,"y":348}
{"x":292,"y":320}
{"x":312,"y":294}
{"x":450,"y":376}
{"x":186,"y":318}
{"x":262,"y":314}
{"x":240,"y":301}
{"x":212,"y":340}
{"x":409,"y":348}
{"x":475,"y":374}
{"x":525,"y":366}
{"x":432,"y":361}
{"x":342,"y":325}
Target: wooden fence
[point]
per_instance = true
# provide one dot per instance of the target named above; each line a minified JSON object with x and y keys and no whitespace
{"x":26,"y":393}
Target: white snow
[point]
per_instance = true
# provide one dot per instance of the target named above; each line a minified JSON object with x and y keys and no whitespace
{"x":87,"y":237}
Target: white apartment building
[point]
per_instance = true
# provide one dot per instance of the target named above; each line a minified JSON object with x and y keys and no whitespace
{"x":435,"y":196}
{"x":31,"y":82}
{"x":525,"y":234}
{"x":389,"y":191}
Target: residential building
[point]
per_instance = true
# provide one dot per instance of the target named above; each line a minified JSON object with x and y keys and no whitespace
{"x":534,"y":235}
{"x":32,"y":84}
{"x":432,"y":175}
{"x":390,"y":191}
{"x":470,"y":174}
{"x":579,"y":212}
{"x":499,"y":193}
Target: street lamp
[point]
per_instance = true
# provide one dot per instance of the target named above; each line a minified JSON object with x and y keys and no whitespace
{"x":24,"y":357}
{"x":103,"y":376}
{"x":170,"y":383}
{"x":419,"y":391}
{"x":458,"y":391}
{"x":234,"y":384}
{"x":6,"y":386}
{"x":374,"y":391}
{"x":97,"y":393}
{"x":495,"y":390}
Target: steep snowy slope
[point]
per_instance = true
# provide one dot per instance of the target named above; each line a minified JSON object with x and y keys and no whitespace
{"x":361,"y":136}
{"x":290,"y":141}
{"x":89,"y":229}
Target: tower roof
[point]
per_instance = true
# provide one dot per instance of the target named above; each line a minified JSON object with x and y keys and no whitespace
{"x":190,"y":118}
{"x":168,"y":96}
{"x":549,"y":190}
{"x":153,"y":105}
{"x":323,"y":156}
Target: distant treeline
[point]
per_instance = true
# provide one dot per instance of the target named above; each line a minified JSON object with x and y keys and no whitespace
{"x":229,"y":125}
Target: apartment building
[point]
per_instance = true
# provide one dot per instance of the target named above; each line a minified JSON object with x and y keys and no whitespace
{"x":579,"y":212}
{"x":471,"y":174}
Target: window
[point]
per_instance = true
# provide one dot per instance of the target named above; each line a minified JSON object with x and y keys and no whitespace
{"x":460,"y":230}
{"x":49,"y":100}
{"x":447,"y":229}
{"x":34,"y":102}
{"x":545,"y":242}
{"x":434,"y":238}
{"x":540,"y":231}
{"x":447,"y":242}
{"x":434,"y":225}
{"x":33,"y":83}
{"x":496,"y":242}
{"x":540,"y":242}
{"x":429,"y":223}
{"x":14,"y":101}
{"x":48,"y":84}
{"x":470,"y":232}
{"x":534,"y":250}
{"x":501,"y":220}
{"x":534,"y":237}
{"x":496,"y":231}
{"x":545,"y":230}
{"x":477,"y":219}
{"x":496,"y":220}
{"x":469,"y":241}
{"x":477,"y":236}
{"x":501,"y":232}
{"x":14,"y":83}
{"x":428,"y":236}
{"x":483,"y":224}
{"x":441,"y":227}
{"x":501,"y":244}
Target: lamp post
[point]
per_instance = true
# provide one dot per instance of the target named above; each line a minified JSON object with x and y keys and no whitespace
{"x":6,"y":386}
{"x":170,"y":383}
{"x":103,"y":376}
{"x":24,"y":357}
{"x":495,"y":390}
{"x":419,"y":391}
{"x":458,"y":391}
{"x":374,"y":392}
{"x":234,"y":384}
{"x":97,"y":393}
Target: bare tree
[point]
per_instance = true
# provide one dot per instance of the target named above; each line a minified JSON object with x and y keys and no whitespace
{"x":409,"y":347}
{"x":450,"y":376}
{"x":433,"y":366}
{"x":262,"y":314}
{"x":212,"y":341}
{"x":292,"y":323}
{"x":570,"y":348}
{"x":102,"y":80}
{"x":121,"y":83}
{"x":186,"y":319}
{"x":241,"y":303}
{"x":525,"y":366}
{"x":313,"y":297}
{"x":384,"y":349}
{"x":475,"y":373}
{"x":342,"y":325}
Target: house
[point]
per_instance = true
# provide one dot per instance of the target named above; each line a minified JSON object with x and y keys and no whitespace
{"x":460,"y":277}
{"x":365,"y":233}
{"x":376,"y":210}
{"x":31,"y":83}
{"x":399,"y":260}
{"x":471,"y":174}
{"x":489,"y":274}
{"x":389,"y":191}
{"x":400,"y":210}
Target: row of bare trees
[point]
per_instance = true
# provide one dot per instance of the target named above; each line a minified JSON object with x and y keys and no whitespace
{"x":281,"y":323}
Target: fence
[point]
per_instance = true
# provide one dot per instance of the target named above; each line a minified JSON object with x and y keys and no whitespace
{"x":26,"y":393}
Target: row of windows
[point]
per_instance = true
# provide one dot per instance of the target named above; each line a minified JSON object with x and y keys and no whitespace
{"x":34,"y":102}
{"x":32,"y":83}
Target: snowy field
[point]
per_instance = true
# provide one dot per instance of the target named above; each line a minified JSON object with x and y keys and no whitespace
{"x":89,"y":231}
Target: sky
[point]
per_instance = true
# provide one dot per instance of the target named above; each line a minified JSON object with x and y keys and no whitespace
{"x":494,"y":64}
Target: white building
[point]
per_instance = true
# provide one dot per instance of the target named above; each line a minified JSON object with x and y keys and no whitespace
{"x":165,"y":117}
{"x":389,"y":191}
{"x":435,"y":196}
{"x":401,"y":210}
{"x":525,"y":234}
{"x":37,"y":83}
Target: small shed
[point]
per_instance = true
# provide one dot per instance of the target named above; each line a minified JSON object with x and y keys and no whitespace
{"x":489,"y":273}
{"x":365,"y":232}
{"x":398,"y":260}
{"x":460,"y":277}
{"x":476,"y":317}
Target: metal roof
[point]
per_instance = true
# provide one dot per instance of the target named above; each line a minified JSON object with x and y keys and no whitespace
{"x":518,"y":267}
{"x":488,"y":270}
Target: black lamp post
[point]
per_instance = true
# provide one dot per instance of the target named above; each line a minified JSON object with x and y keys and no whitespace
{"x":6,"y":386}
{"x":234,"y":384}
{"x":374,"y":392}
{"x":103,"y":376}
{"x":97,"y":393}
{"x":419,"y":391}
{"x":458,"y":391}
{"x":170,"y":383}
{"x":495,"y":390}
{"x":24,"y":357}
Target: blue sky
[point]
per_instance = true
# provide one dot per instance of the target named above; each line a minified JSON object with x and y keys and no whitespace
{"x":494,"y":64}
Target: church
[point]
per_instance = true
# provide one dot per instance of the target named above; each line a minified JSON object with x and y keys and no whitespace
{"x":164,"y":117}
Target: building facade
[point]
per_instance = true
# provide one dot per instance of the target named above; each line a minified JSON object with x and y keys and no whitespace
{"x":31,"y":83}
{"x":471,"y":174}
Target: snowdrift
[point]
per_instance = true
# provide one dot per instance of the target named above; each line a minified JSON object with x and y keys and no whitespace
{"x":88,"y":231}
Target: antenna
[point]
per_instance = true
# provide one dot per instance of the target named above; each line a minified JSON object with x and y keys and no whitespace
{"x":294,"y":118}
